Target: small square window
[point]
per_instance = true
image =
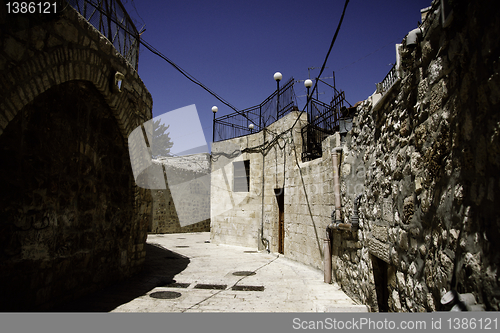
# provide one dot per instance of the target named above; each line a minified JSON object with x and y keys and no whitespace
{"x":241,"y":171}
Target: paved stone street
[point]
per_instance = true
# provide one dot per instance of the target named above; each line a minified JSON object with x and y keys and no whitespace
{"x":190,"y":274}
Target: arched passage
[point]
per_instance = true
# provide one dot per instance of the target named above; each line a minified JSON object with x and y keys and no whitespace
{"x":67,"y":198}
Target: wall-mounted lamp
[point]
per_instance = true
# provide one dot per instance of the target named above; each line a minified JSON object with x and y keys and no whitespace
{"x":117,"y":84}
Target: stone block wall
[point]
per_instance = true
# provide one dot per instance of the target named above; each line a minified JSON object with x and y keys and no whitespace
{"x":192,"y":200}
{"x":429,"y":157}
{"x":72,"y":219}
{"x":252,"y":219}
{"x":236,"y":217}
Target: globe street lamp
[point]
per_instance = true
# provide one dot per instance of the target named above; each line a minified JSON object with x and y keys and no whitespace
{"x":308,"y":83}
{"x":214,"y":110}
{"x":251,"y":128}
{"x":277,"y":78}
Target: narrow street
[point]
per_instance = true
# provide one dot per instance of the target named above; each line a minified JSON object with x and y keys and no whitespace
{"x":187,"y":273}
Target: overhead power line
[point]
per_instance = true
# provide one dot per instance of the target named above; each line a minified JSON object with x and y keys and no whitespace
{"x":263,"y":147}
{"x":177,"y":67}
{"x":187,"y":75}
{"x":199,"y":83}
{"x":324,"y":62}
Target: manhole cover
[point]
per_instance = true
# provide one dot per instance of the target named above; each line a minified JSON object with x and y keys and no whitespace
{"x":177,"y":285}
{"x":181,"y":238}
{"x":244,"y":273}
{"x":182,"y":246}
{"x":248,"y":288}
{"x":211,"y":286}
{"x":165,"y":295}
{"x":250,"y":252}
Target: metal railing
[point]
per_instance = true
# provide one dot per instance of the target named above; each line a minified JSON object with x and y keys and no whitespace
{"x":323,"y":120}
{"x":236,"y":124}
{"x":312,"y":136}
{"x":113,"y":21}
{"x":388,"y":81}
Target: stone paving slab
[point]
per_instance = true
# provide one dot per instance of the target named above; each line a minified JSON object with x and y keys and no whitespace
{"x":288,"y":285}
{"x":191,"y":259}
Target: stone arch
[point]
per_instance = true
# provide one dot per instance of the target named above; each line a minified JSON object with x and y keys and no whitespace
{"x":23,"y":83}
{"x":67,"y":197}
{"x":80,"y":222}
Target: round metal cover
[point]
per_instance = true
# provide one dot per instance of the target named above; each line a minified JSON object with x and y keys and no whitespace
{"x":244,"y":273}
{"x":250,"y":251}
{"x":165,"y":294}
{"x":182,"y":246}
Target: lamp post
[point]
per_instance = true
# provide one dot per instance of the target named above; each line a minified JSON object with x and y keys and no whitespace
{"x":251,"y":128}
{"x":214,"y":110}
{"x":308,"y":83}
{"x":277,"y":78}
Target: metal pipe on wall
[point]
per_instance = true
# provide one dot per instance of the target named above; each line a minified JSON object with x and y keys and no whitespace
{"x":327,"y":245}
{"x":336,"y":222}
{"x":336,"y":182}
{"x":327,"y":252}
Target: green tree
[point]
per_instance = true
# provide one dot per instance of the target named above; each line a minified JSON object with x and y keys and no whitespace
{"x":161,"y":140}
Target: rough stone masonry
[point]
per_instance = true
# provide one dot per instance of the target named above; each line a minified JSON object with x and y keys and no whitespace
{"x":429,"y":153}
{"x":425,"y":154}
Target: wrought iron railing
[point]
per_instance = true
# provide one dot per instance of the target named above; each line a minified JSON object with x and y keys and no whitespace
{"x":113,"y":21}
{"x":237,"y":124}
{"x":388,"y":81}
{"x":312,"y":136}
{"x":323,"y":120}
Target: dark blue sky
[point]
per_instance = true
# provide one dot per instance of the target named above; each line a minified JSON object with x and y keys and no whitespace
{"x":234,"y":47}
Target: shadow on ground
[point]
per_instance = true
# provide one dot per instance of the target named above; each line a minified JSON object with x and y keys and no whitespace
{"x":160,"y":267}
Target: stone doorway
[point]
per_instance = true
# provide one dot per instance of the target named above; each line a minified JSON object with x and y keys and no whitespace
{"x":380,"y":276}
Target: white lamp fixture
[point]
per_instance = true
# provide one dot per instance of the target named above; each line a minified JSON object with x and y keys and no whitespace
{"x":308,"y":83}
{"x":278,"y":76}
{"x":250,"y":126}
{"x":215,"y":109}
{"x":119,"y":77}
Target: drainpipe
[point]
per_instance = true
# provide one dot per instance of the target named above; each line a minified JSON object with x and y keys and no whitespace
{"x":336,"y":222}
{"x":327,"y":263}
{"x":334,"y":225}
{"x":327,"y":245}
{"x":336,"y":182}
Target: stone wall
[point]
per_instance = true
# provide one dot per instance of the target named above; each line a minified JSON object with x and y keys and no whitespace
{"x":250,"y":219}
{"x":190,"y":170}
{"x":425,"y":156}
{"x":428,"y":153}
{"x":72,"y":219}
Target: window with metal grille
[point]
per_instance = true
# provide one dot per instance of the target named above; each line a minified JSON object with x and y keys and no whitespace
{"x":241,"y":176}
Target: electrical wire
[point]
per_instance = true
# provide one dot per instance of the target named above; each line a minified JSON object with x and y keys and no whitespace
{"x":325,"y":61}
{"x":177,"y":67}
{"x":263,"y":147}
